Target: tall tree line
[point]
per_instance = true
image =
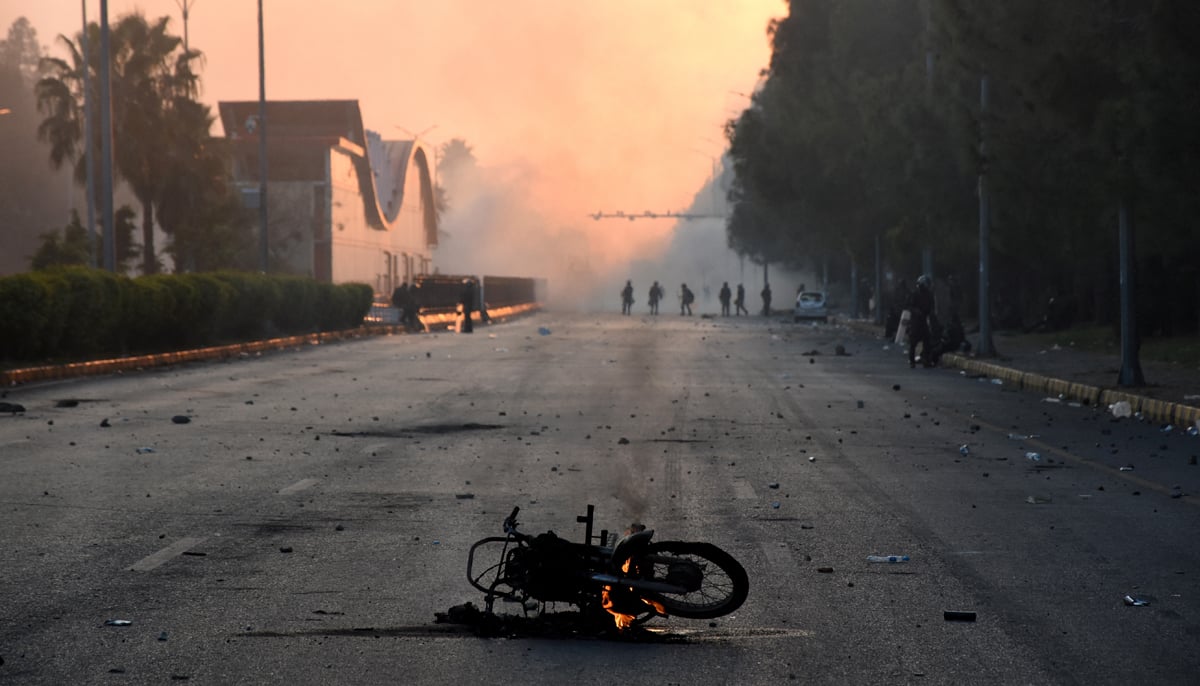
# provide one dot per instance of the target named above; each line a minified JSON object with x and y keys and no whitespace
{"x":868,"y":124}
{"x":163,"y":151}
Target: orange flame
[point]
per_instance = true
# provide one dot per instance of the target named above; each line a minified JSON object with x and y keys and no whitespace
{"x":622,"y":620}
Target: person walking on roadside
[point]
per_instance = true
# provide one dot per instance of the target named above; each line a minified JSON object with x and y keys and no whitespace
{"x":686,"y":298}
{"x":724,"y":295}
{"x":656,"y":294}
{"x":627,"y":298}
{"x":740,"y":301}
{"x":920,"y":308}
{"x":766,"y":298}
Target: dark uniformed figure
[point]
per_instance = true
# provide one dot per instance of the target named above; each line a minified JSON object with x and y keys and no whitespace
{"x":920,"y":308}
{"x":467,"y":304}
{"x":686,"y":298}
{"x":724,"y":295}
{"x":627,"y":298}
{"x":740,"y":301}
{"x":766,"y":297}
{"x":656,"y":294}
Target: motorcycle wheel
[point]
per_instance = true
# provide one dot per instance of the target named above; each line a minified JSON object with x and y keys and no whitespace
{"x":720,"y":581}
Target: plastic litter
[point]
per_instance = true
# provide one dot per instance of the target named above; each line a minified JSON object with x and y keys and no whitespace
{"x":1136,"y":601}
{"x":887,"y":558}
{"x":1168,"y":428}
{"x":543,"y":331}
{"x":964,"y":450}
{"x":997,"y":382}
{"x":775,"y":504}
{"x":1121,"y":409}
{"x":118,"y":622}
{"x":1194,"y":430}
{"x":144,"y":450}
{"x":1035,"y":457}
{"x":1038,"y":499}
{"x":1127,"y":468}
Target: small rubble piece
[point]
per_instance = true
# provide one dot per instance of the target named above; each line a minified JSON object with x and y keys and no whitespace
{"x":285,"y":548}
{"x":1127,"y":468}
{"x":543,"y":331}
{"x":775,"y":504}
{"x":181,"y":419}
{"x":1021,"y":437}
{"x":958,"y":615}
{"x":464,"y":496}
{"x":840,"y":351}
{"x":887,"y":558}
{"x":810,"y":353}
{"x":104,"y":423}
{"x":1136,"y":601}
{"x":67,"y":402}
{"x":1121,"y":409}
{"x":11,"y":408}
{"x":812,"y":458}
{"x":860,"y":404}
{"x":143,"y":450}
{"x":162,"y":636}
{"x":623,"y":441}
{"x":773,"y":485}
{"x":118,"y":622}
{"x":825,"y":570}
{"x":1176,"y":491}
{"x":895,"y":387}
{"x":964,"y":450}
{"x":1037,"y":499}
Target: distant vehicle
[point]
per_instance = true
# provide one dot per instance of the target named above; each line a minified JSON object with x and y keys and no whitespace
{"x":811,"y":305}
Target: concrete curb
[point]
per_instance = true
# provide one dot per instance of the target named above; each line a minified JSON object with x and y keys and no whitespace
{"x":14,"y":377}
{"x":1161,"y":411}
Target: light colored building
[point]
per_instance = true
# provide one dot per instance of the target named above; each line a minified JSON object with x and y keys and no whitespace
{"x":343,"y":204}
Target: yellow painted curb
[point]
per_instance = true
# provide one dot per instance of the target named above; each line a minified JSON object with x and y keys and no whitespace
{"x":1161,"y":411}
{"x":55,"y":372}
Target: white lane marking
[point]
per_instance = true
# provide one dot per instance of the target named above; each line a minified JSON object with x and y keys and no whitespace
{"x":174,"y":550}
{"x":779,"y":556}
{"x":298,"y":486}
{"x":743,"y":490}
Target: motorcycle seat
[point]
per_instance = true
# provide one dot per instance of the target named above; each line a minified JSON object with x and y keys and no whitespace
{"x":630,"y":545}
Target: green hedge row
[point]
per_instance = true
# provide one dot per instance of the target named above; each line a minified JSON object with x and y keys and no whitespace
{"x":77,"y":312}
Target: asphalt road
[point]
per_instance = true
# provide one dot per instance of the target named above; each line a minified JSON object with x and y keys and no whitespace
{"x":359,"y":458}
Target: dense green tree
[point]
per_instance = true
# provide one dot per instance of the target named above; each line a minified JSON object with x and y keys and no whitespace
{"x":151,"y":74}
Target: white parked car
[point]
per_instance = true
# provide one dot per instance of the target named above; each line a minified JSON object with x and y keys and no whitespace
{"x":811,"y":305}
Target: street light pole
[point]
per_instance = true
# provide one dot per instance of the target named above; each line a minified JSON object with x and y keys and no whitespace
{"x":263,"y":261}
{"x":89,"y":157}
{"x":106,"y":144}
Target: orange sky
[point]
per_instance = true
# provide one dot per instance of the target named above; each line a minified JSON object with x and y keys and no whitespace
{"x":615,"y":104}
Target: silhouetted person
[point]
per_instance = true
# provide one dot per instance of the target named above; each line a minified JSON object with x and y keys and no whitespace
{"x":466,"y":302}
{"x":766,"y":297}
{"x":656,"y":294}
{"x":740,"y":301}
{"x":627,"y":298}
{"x":724,"y":295}
{"x":686,"y":298}
{"x":400,"y":301}
{"x":920,"y":308}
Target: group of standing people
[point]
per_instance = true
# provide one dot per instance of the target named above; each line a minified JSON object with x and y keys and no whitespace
{"x":405,"y":298}
{"x":687,"y":297}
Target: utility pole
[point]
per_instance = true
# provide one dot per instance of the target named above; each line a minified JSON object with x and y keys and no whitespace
{"x":106,"y":143}
{"x":263,"y":260}
{"x":878,"y":283}
{"x":185,"y":5}
{"x":985,"y":347}
{"x":1131,"y":368}
{"x":89,"y":155}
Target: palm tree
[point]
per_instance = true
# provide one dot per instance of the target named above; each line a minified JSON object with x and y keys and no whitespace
{"x":150,"y":73}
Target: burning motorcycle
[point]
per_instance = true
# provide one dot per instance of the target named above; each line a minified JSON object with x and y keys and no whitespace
{"x":634,"y":579}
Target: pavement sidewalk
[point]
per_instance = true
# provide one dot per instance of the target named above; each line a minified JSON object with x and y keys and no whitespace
{"x":1171,"y":394}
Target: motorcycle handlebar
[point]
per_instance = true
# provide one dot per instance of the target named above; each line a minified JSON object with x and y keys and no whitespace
{"x":510,"y":524}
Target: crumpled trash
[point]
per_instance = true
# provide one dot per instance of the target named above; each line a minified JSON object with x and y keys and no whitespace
{"x":543,"y":331}
{"x":1034,"y":457}
{"x":887,"y":558}
{"x":964,"y":450}
{"x":1121,"y":409}
{"x":118,"y":622}
{"x":1136,"y":601}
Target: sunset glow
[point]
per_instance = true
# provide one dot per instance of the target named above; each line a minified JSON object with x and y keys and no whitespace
{"x":614,"y":105}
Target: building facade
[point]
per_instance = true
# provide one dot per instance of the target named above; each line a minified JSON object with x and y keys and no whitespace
{"x":344,"y":205}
